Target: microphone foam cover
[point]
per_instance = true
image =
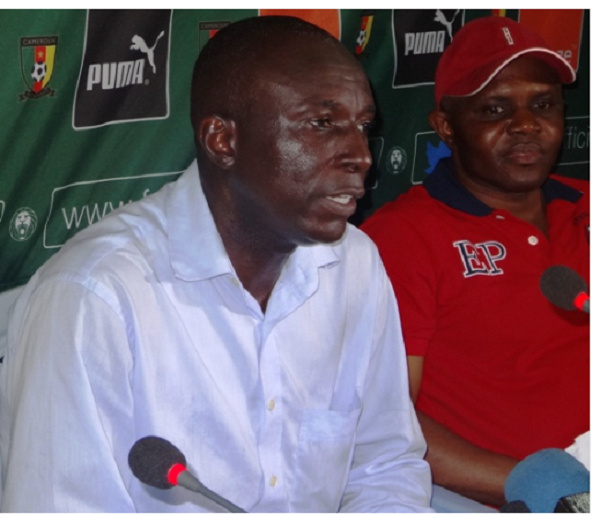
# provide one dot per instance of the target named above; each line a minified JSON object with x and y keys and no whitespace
{"x":150,"y":459}
{"x":560,"y":285}
{"x":544,"y":477}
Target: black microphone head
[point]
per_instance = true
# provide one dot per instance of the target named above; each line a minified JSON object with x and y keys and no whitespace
{"x":151,"y":458}
{"x":561,"y":285}
{"x":515,"y":506}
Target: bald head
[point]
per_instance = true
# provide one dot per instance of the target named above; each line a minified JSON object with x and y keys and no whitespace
{"x":227,"y":68}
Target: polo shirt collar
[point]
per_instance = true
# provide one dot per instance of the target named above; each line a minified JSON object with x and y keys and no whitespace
{"x":443,"y":185}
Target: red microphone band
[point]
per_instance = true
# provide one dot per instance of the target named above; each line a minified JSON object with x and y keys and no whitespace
{"x":174,"y":472}
{"x":580,"y":299}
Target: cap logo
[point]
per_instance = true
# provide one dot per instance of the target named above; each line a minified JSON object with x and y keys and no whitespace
{"x":508,"y":36}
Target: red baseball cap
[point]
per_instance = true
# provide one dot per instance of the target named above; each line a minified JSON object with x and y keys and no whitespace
{"x":482,"y":48}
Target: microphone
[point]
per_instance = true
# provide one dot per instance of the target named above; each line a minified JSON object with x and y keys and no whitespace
{"x":550,"y":480}
{"x":156,"y":462}
{"x":565,"y":288}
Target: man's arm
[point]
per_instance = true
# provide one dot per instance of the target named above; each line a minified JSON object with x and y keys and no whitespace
{"x":456,"y":464}
{"x":60,"y":456}
{"x":389,"y":473}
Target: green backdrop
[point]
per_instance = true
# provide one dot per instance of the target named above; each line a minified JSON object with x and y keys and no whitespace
{"x":94,"y":108}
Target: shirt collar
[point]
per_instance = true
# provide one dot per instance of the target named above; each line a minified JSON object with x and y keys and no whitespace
{"x":443,"y":185}
{"x":196,"y":249}
{"x":195,"y":246}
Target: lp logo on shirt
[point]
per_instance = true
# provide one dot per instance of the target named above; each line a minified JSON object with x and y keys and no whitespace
{"x":481,"y":258}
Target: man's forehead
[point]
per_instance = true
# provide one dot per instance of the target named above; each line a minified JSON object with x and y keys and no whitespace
{"x":327,"y":66}
{"x":327,"y":90}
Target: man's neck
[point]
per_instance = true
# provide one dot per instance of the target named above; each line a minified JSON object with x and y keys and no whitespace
{"x":528,"y":206}
{"x":257,"y":257}
{"x":257,"y":268}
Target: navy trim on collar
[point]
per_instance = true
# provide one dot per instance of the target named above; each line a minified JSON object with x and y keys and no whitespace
{"x":557,"y":190}
{"x":443,"y":185}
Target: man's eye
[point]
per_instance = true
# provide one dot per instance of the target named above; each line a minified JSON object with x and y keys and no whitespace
{"x":543,"y":105}
{"x":493,"y":109}
{"x":367,"y":127}
{"x":321,"y":122}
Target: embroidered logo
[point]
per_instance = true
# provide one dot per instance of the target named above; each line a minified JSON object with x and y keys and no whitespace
{"x":138,"y":43}
{"x":420,"y":37}
{"x":37,"y":65}
{"x":124,"y":72}
{"x":508,"y":36}
{"x":481,"y":258}
{"x":447,"y":22}
{"x":396,"y":161}
{"x":23,"y":224}
{"x":364,"y":35}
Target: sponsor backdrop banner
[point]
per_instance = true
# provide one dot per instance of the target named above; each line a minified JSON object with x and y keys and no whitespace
{"x":95,"y":107}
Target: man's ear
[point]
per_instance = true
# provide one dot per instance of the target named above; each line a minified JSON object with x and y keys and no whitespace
{"x":440,"y":122}
{"x":217,"y":137}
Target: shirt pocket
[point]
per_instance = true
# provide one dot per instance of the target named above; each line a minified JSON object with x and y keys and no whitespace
{"x":323,"y":456}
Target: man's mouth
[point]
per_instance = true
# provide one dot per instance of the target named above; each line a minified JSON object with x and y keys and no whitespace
{"x":342,"y":199}
{"x":526,"y":153}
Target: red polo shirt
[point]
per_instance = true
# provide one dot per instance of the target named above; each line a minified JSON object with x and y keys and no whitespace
{"x":503,"y":368}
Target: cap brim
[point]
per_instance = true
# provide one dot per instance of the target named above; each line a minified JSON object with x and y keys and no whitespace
{"x":486,"y":74}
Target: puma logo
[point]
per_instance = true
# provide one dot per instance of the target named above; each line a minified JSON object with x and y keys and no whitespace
{"x":140,"y":44}
{"x":441,"y":18}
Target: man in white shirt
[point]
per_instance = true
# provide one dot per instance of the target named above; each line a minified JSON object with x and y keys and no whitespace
{"x":234,"y":313}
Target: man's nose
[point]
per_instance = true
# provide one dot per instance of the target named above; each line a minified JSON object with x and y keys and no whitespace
{"x":524,"y":120}
{"x":357,"y":155}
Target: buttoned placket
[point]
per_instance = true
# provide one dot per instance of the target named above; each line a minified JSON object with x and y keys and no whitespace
{"x":271,"y":434}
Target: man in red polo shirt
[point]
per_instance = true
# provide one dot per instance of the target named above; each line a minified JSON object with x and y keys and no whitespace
{"x":497,"y":372}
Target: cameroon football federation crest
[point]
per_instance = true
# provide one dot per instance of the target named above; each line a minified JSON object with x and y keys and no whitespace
{"x":364,"y":35}
{"x":37,"y":64}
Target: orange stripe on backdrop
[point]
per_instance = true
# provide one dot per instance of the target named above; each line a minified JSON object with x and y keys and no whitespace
{"x":328,"y":19}
{"x":561,"y":28}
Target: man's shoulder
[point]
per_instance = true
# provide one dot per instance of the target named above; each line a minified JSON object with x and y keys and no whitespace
{"x":355,"y":253}
{"x":414,"y":205}
{"x":133,"y":231}
{"x":356,"y":237}
{"x":357,"y":241}
{"x":121,"y":237}
{"x":580,"y":185}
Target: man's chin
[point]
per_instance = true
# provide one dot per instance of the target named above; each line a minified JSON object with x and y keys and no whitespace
{"x":528,"y":183}
{"x":331,"y":236}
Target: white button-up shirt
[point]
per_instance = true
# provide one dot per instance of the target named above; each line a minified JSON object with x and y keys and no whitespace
{"x":139,"y":326}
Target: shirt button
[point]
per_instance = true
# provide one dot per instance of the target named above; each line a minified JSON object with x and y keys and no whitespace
{"x":532,"y":240}
{"x":271,"y":405}
{"x":235,"y":282}
{"x":499,"y":217}
{"x":273,"y":481}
